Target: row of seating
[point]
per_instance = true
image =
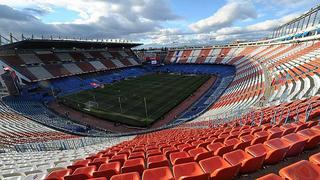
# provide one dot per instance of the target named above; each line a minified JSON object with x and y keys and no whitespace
{"x":300,"y":170}
{"x":17,"y":129}
{"x":186,"y":153}
{"x":248,"y":84}
{"x":297,"y":111}
{"x":42,"y":65}
{"x":37,"y":165}
{"x":272,"y":73}
{"x":41,"y":114}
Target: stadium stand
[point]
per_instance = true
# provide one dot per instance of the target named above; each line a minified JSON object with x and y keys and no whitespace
{"x":293,"y":69}
{"x":259,"y":119}
{"x":221,"y":152}
{"x":38,"y":65}
{"x":36,"y":165}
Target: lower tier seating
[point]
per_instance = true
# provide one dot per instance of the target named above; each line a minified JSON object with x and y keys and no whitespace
{"x":37,"y":165}
{"x":300,"y":170}
{"x":188,"y":153}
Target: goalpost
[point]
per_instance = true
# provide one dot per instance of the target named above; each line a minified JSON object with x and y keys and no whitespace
{"x":90,"y":104}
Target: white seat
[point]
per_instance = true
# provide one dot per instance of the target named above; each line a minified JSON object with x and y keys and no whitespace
{"x":13,"y":176}
{"x":35,"y":175}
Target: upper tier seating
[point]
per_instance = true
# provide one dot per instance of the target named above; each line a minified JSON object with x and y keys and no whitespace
{"x":47,"y":64}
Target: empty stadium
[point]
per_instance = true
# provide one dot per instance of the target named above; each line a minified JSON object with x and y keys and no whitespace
{"x":109,"y":109}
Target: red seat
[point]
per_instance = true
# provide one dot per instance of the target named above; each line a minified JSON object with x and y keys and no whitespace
{"x":232,"y":142}
{"x":108,"y":155}
{"x":218,"y":168}
{"x":189,"y":171}
{"x":133,"y":165}
{"x":244,"y":132}
{"x":176,"y":144}
{"x":153,"y":152}
{"x":126,"y":176}
{"x":182,"y":146}
{"x":79,"y":163}
{"x":124,"y":151}
{"x":317,"y":128}
{"x":119,"y":158}
{"x":98,"y":161}
{"x":248,"y":162}
{"x":151,"y":147}
{"x":313,"y":137}
{"x":108,"y":170}
{"x":260,"y":137}
{"x":58,"y":174}
{"x":196,"y":143}
{"x":276,"y":150}
{"x":245,"y":127}
{"x":242,"y":144}
{"x":270,"y":177}
{"x":157,"y":161}
{"x":180,"y":157}
{"x":204,"y":144}
{"x":200,"y":153}
{"x":99,"y":178}
{"x":94,"y":156}
{"x":299,"y":126}
{"x":161,"y":147}
{"x":296,"y":142}
{"x":312,"y":123}
{"x":167,"y":151}
{"x":138,"y":149}
{"x":160,"y":173}
{"x":135,"y":155}
{"x":255,"y":129}
{"x":186,"y":149}
{"x":81,"y":173}
{"x":219,"y":149}
{"x":287,"y":129}
{"x":267,"y":126}
{"x":210,"y":139}
{"x":219,"y":139}
{"x":315,"y":159}
{"x":257,"y":150}
{"x":301,"y":170}
{"x":247,"y":138}
{"x":232,"y":135}
{"x":274,"y":132}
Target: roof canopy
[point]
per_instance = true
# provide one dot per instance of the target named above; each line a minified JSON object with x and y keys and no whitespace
{"x":65,"y":44}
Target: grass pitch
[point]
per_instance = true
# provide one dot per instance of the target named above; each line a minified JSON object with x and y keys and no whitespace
{"x":138,"y":101}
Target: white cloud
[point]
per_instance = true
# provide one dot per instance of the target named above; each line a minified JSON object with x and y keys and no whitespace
{"x":271,"y":24}
{"x":150,"y":21}
{"x":98,"y":18}
{"x":226,"y":16}
{"x":252,"y":32}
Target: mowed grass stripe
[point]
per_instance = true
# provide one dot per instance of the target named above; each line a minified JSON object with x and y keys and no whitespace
{"x":162,"y":92}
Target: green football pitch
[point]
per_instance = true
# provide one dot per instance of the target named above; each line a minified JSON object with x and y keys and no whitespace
{"x":138,"y":101}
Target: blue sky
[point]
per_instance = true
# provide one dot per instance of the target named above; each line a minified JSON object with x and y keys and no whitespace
{"x":61,"y":15}
{"x":150,"y":21}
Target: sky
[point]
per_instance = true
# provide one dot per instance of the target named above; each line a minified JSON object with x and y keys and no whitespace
{"x":152,"y":22}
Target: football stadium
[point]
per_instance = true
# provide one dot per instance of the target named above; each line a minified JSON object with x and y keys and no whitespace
{"x":104,"y":108}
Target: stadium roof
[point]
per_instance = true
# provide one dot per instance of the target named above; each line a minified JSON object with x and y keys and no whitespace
{"x":65,"y":44}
